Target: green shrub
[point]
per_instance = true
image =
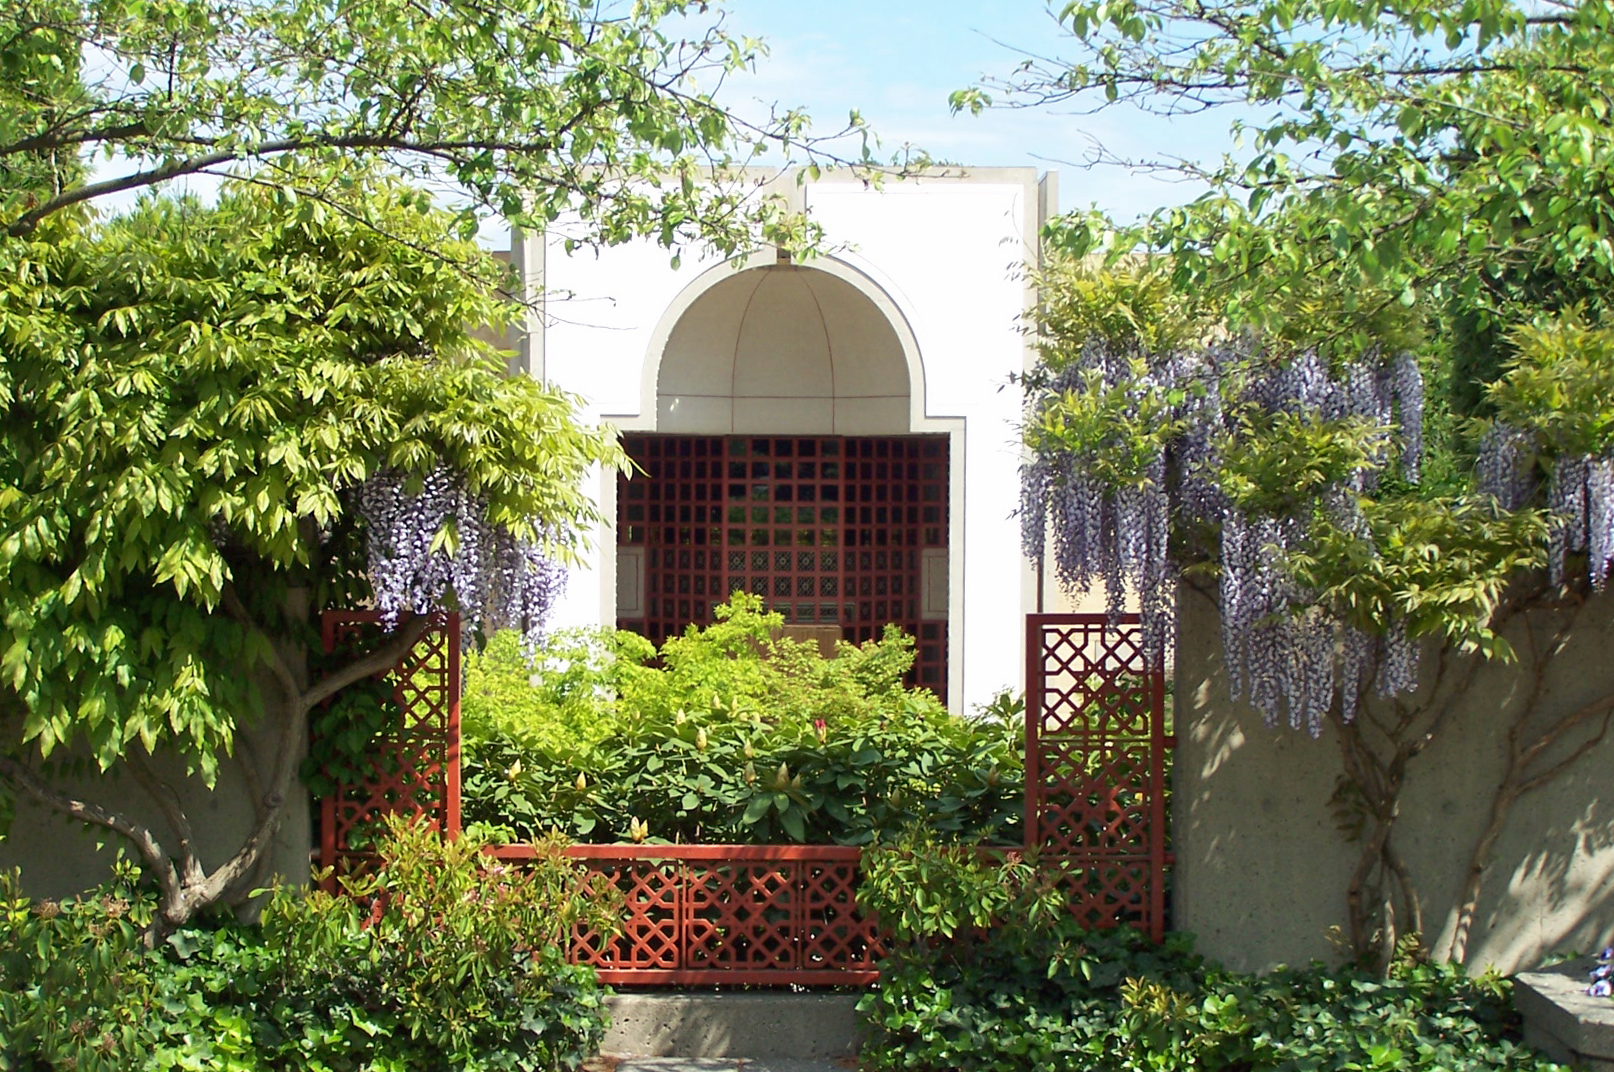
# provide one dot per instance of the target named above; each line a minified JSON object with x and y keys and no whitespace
{"x":1030,"y":990}
{"x":561,"y":704}
{"x":76,"y":984}
{"x":732,"y":735}
{"x":450,"y":956}
{"x":443,"y":959}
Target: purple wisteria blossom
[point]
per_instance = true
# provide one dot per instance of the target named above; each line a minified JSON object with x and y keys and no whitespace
{"x":1287,"y":655}
{"x":435,"y":549}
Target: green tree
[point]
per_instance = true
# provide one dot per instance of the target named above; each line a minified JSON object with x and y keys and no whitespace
{"x":221,"y":420}
{"x":1428,"y":179}
{"x":197,"y":400}
{"x":1392,"y":154}
{"x":530,"y":109}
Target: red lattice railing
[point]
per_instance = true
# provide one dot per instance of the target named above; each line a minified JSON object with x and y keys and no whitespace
{"x":704,"y":914}
{"x":1096,"y":743}
{"x":1096,"y":746}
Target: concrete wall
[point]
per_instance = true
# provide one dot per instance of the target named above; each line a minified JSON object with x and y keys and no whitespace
{"x":1262,"y":872}
{"x":59,"y":857}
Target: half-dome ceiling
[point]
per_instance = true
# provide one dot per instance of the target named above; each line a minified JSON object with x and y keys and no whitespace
{"x":783,"y":349}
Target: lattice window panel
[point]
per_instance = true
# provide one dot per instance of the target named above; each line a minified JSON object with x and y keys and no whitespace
{"x":896,"y":505}
{"x":1096,"y":741}
{"x":828,"y":530}
{"x":417,"y":761}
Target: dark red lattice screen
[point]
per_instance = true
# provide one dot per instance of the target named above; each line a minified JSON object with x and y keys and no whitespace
{"x":736,"y":914}
{"x":416,"y":768}
{"x":1096,"y":745}
{"x":841,"y":531}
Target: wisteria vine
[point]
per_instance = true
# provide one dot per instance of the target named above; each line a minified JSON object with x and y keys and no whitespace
{"x":1284,"y":651}
{"x":1580,"y":497}
{"x":495,"y":579}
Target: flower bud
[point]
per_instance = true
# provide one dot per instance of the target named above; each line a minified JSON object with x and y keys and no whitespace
{"x":700,"y":739}
{"x":679,"y":717}
{"x":749,"y":773}
{"x":513,"y":772}
{"x":750,"y":753}
{"x":581,"y":783}
{"x":638,"y":830}
{"x":781,"y":778}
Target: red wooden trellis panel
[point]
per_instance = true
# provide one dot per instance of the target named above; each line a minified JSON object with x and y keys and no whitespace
{"x":417,"y":762}
{"x":1096,"y":746}
{"x":829,"y":530}
{"x":736,"y":914}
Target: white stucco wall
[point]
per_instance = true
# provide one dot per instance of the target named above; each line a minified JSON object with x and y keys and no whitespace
{"x":946,"y":257}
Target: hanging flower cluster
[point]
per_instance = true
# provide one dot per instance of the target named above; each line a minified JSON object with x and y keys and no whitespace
{"x":1580,"y":496}
{"x":1178,"y":420}
{"x":434,"y":548}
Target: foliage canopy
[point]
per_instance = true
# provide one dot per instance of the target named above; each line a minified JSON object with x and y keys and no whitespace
{"x":529,"y":109}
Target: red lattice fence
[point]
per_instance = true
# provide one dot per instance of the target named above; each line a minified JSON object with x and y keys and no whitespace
{"x":737,"y":914}
{"x":417,"y":762}
{"x":1096,"y":746}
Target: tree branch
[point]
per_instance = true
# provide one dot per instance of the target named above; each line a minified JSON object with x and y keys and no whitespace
{"x":381,"y":659}
{"x":167,"y":801}
{"x":27,"y":783}
{"x":230,"y":599}
{"x":294,"y":729}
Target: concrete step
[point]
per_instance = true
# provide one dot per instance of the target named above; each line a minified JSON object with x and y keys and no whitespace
{"x":760,"y":1028}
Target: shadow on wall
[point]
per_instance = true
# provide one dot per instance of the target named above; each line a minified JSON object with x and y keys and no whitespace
{"x":1263,"y":866}
{"x":60,"y":858}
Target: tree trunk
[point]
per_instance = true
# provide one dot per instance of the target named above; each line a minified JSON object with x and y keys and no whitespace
{"x":186,"y":888}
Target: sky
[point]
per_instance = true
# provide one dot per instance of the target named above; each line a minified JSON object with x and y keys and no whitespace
{"x":896,"y":61}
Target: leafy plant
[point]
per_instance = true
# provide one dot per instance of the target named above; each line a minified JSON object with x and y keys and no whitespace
{"x":732,"y":735}
{"x":76,"y":985}
{"x":451,"y":954}
{"x":996,"y":977}
{"x":443,"y":958}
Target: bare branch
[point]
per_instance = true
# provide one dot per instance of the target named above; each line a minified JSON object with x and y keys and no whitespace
{"x":167,"y":802}
{"x":29,"y":784}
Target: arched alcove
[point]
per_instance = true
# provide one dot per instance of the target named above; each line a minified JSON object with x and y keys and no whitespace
{"x":783,"y":349}
{"x":786,"y":461}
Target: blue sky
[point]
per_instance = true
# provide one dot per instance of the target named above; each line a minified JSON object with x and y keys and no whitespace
{"x":897,"y":61}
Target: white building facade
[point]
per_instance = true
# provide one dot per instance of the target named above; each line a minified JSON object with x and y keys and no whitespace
{"x":836,"y":434}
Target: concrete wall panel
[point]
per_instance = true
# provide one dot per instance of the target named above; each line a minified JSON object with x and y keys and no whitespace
{"x":1262,"y":872}
{"x":59,"y":858}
